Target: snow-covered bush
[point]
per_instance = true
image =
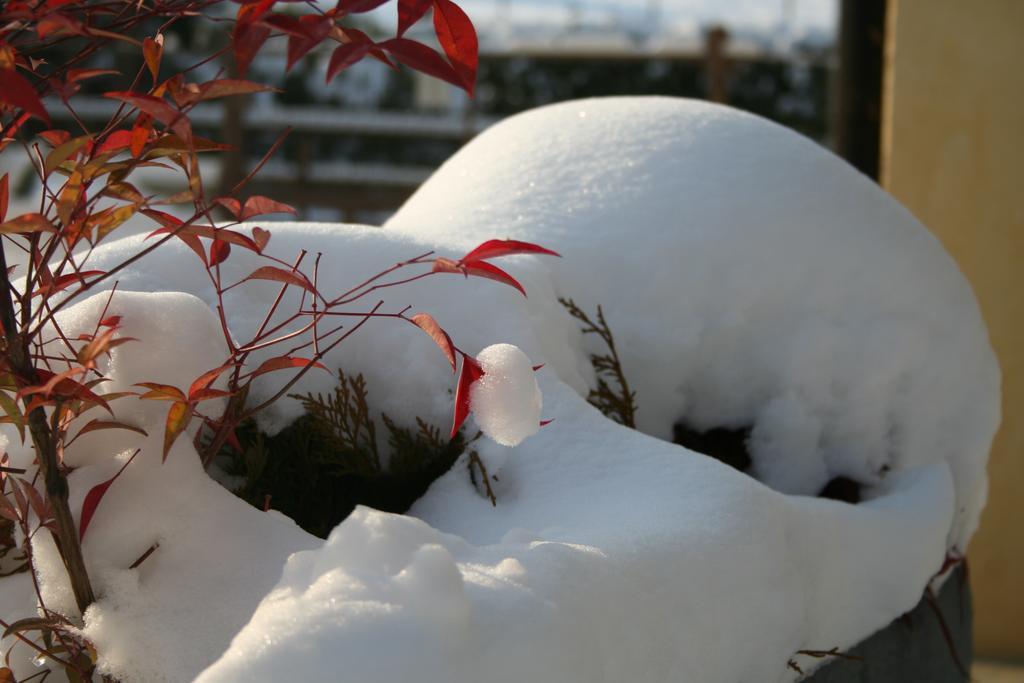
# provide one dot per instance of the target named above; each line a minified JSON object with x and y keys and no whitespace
{"x":612,"y":554}
{"x":804,"y":307}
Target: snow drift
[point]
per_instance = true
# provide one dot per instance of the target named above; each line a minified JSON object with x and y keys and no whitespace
{"x":752,"y":280}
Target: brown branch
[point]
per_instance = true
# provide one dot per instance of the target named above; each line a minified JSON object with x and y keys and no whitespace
{"x":947,"y":635}
{"x":834,"y":652}
{"x":43,"y":438}
{"x":144,"y":556}
{"x":476,"y":460}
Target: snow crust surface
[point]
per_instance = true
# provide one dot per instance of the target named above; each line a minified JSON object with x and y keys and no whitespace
{"x":751,"y":280}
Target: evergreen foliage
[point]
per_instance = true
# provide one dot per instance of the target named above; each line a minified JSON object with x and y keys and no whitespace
{"x":619,"y":402}
{"x":321,"y":466}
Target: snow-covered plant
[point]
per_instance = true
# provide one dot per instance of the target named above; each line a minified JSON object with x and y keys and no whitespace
{"x":50,"y":382}
{"x":341,"y":452}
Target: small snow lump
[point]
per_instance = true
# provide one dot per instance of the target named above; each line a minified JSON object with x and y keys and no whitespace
{"x":506,"y":401}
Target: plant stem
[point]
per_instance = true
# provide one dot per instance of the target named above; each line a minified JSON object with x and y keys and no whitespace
{"x":43,"y":438}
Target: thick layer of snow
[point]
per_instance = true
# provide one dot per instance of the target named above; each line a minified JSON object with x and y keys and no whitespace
{"x":699,"y":574}
{"x":751,"y":279}
{"x":506,"y":401}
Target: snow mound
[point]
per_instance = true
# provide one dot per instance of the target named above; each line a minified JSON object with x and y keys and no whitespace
{"x":506,"y":401}
{"x":752,"y":280}
{"x":702,"y":574}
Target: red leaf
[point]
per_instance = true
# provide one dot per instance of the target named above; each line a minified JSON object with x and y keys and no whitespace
{"x":75,"y":75}
{"x":233,"y":441}
{"x":39,"y":402}
{"x":56,"y":138}
{"x":16,"y":91}
{"x":165,"y":219}
{"x":96,"y":425}
{"x":190,"y":240}
{"x":253,"y":10}
{"x":95,"y":495}
{"x":207,"y":378}
{"x":219,"y":252}
{"x":112,"y":321}
{"x":314,"y":28}
{"x":281,"y":275}
{"x":156,"y":107}
{"x":161,"y":392}
{"x":178,"y":418}
{"x":457,"y":36}
{"x":207,"y":394}
{"x":190,"y":234}
{"x":55,"y":22}
{"x":283,"y":363}
{"x":102,"y":343}
{"x":38,"y":503}
{"x":259,"y":206}
{"x":285,"y":23}
{"x":426,"y":322}
{"x":409,"y":12}
{"x":159,"y":109}
{"x":423,"y":58}
{"x":356,"y":36}
{"x":545,"y":423}
{"x":471,"y":372}
{"x":5,"y":183}
{"x":63,"y":281}
{"x":477,"y":268}
{"x":62,"y":385}
{"x":345,"y":56}
{"x":115,"y":142}
{"x":20,"y":500}
{"x":357,"y":6}
{"x":8,"y":511}
{"x":248,"y":39}
{"x":61,"y":153}
{"x":172,"y":224}
{"x":153,"y":51}
{"x":140,"y":135}
{"x":261,"y":237}
{"x":446,"y":265}
{"x":226,"y":87}
{"x":231,"y":204}
{"x":484,"y":269}
{"x":50,"y":381}
{"x":496,"y":248}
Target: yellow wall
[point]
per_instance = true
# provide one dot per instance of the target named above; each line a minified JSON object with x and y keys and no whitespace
{"x":953,"y":152}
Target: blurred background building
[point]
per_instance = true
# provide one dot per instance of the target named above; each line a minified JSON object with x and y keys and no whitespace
{"x":364,"y":142}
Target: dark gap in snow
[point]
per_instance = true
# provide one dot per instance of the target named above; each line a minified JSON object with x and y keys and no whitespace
{"x":729,"y":446}
{"x":317,"y":482}
{"x":721,"y":443}
{"x":842,"y":488}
